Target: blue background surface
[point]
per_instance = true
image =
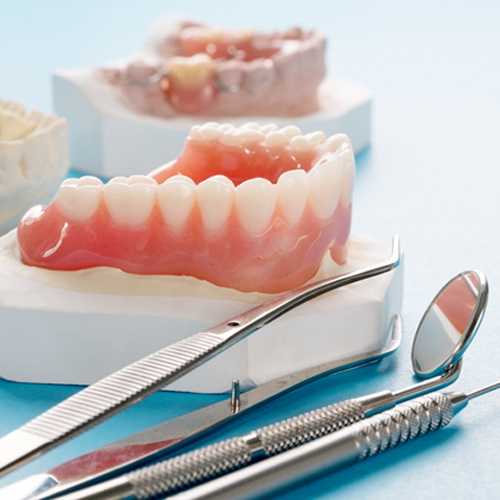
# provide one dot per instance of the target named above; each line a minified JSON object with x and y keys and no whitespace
{"x":432,"y":175}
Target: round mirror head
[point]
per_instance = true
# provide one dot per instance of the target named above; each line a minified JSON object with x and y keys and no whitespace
{"x":449,"y":324}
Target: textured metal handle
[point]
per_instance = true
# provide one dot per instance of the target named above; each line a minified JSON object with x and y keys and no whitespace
{"x":215,"y":460}
{"x":403,"y":423}
{"x":105,"y":398}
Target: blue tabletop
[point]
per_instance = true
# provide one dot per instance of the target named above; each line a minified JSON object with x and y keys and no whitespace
{"x":431,"y":175}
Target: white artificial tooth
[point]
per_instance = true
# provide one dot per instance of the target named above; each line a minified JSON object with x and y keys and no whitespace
{"x":211,"y":124}
{"x":35,"y":155}
{"x":255,"y":202}
{"x":347,"y":163}
{"x":10,"y":157}
{"x":87,"y":180}
{"x":324,"y":188}
{"x":79,"y":199}
{"x":275,"y":139}
{"x":141,"y":179}
{"x":129,"y":205}
{"x":270,"y":127}
{"x":209,"y":132}
{"x":317,"y":137}
{"x":176,"y":197}
{"x":194,"y":133}
{"x":335,"y":141}
{"x":250,"y":126}
{"x":292,"y":190}
{"x":226,"y":126}
{"x":241,"y":137}
{"x":300,"y":143}
{"x":119,"y":179}
{"x":291,"y":131}
{"x":215,"y":199}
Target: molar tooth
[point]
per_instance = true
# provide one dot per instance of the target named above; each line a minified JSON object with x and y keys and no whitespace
{"x":275,"y":139}
{"x":209,"y":132}
{"x":267,"y":129}
{"x":10,"y":156}
{"x":194,"y":133}
{"x":335,"y":141}
{"x":291,"y":131}
{"x":292,"y":189}
{"x":78,"y":199}
{"x":250,"y":126}
{"x":215,"y":199}
{"x":347,"y":164}
{"x":317,"y":137}
{"x":255,"y":201}
{"x":227,"y":126}
{"x":190,"y":72}
{"x":176,"y":197}
{"x":129,"y":204}
{"x":241,"y":137}
{"x":300,"y":143}
{"x":324,"y":188}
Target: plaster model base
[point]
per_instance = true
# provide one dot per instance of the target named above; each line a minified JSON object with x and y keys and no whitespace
{"x":107,"y":139}
{"x":77,"y":327}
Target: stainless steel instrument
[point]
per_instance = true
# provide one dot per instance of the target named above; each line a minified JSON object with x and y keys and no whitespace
{"x":135,"y":382}
{"x":157,"y":441}
{"x":333,"y":452}
{"x":444,"y":332}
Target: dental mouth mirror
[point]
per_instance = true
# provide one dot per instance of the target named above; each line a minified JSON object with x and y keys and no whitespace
{"x":446,"y":329}
{"x":135,"y":382}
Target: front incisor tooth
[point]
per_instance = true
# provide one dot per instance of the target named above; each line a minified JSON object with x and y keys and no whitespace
{"x":300,"y":143}
{"x":129,"y":205}
{"x":275,"y":139}
{"x":176,"y":197}
{"x":291,"y":131}
{"x":10,"y":156}
{"x":292,"y":190}
{"x":324,"y":188}
{"x":79,"y":199}
{"x":255,"y":202}
{"x":215,"y":199}
{"x":35,"y":155}
{"x":334,"y":142}
{"x":318,"y":137}
{"x":348,"y":167}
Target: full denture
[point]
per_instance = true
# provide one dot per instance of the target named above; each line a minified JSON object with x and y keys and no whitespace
{"x":251,"y":208}
{"x":223,"y":72}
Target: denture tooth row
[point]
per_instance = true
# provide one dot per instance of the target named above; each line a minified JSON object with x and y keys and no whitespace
{"x":269,"y":135}
{"x":130,"y":201}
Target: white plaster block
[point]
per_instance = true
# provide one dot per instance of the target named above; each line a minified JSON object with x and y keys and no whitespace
{"x":54,"y":332}
{"x":108,"y":140}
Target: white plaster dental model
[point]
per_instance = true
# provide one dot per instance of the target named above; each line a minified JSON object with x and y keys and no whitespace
{"x":137,"y":111}
{"x":241,"y":214}
{"x":33,"y":160}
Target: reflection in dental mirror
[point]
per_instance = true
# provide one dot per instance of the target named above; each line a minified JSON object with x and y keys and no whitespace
{"x":449,"y":323}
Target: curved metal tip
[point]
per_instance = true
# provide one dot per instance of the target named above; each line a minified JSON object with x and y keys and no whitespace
{"x":396,"y":251}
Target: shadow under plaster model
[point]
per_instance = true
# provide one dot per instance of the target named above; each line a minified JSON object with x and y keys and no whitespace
{"x":251,"y":208}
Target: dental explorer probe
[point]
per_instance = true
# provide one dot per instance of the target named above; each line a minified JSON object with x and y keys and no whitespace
{"x":352,"y":444}
{"x":336,"y":451}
